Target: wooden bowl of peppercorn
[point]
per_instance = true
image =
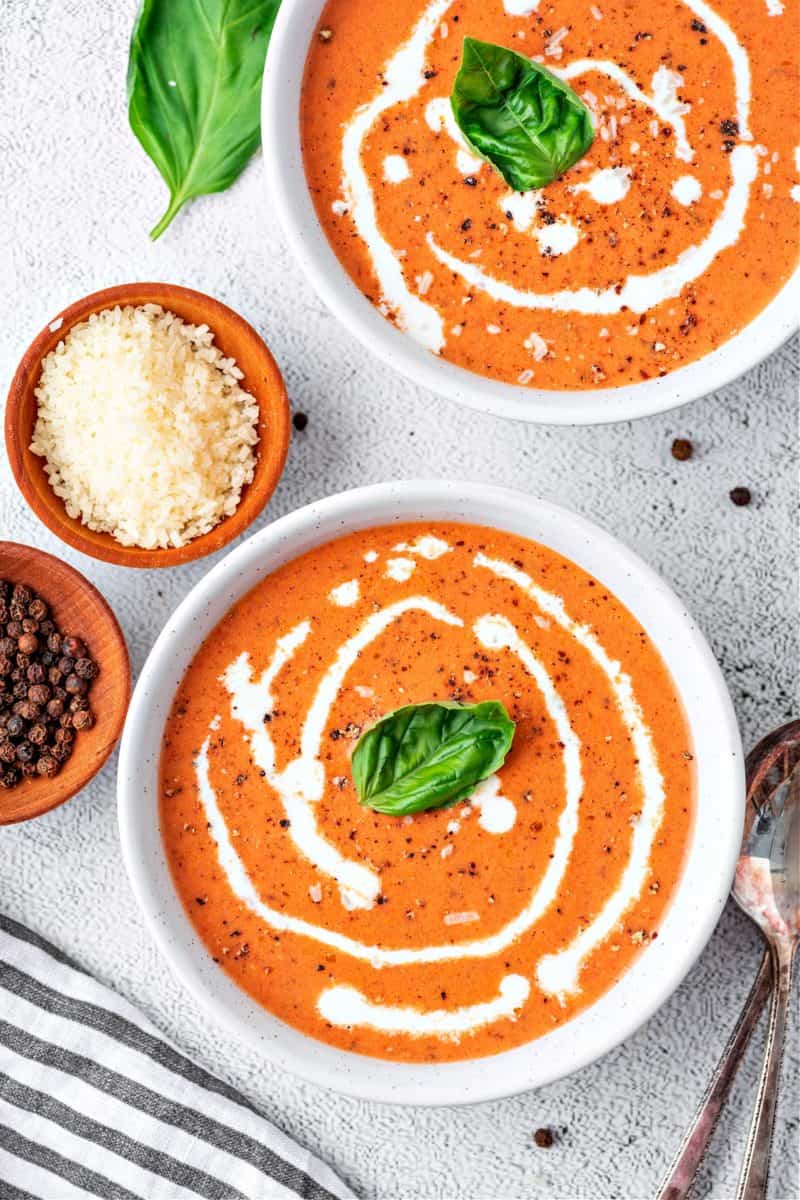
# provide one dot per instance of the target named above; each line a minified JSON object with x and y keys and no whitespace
{"x":65,"y":682}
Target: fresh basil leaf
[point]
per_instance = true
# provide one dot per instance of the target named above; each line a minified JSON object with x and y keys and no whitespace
{"x":194,"y":89}
{"x":430,"y":755}
{"x":518,"y":115}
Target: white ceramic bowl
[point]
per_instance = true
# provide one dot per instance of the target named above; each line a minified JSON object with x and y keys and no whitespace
{"x":288,"y":192}
{"x":701,"y":892}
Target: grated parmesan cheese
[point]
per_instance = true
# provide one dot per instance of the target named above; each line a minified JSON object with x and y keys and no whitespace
{"x":145,"y":430}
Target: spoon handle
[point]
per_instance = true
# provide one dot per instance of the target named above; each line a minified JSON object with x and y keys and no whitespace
{"x":755,"y":1169}
{"x":680,"y":1174}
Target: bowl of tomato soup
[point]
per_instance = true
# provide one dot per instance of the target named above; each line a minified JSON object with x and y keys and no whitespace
{"x":435,"y":953}
{"x":659,"y":265}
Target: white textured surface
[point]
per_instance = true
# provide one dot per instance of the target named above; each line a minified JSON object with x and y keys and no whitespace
{"x":79,"y":197}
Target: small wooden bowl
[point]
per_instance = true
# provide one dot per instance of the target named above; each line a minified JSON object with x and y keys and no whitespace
{"x":235,"y":338}
{"x":78,"y":608}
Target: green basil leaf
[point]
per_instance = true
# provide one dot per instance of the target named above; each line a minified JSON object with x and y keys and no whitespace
{"x":194,"y":89}
{"x":518,"y":115}
{"x":430,"y":755}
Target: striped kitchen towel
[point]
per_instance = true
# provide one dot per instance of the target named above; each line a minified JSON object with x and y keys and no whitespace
{"x":94,"y":1101}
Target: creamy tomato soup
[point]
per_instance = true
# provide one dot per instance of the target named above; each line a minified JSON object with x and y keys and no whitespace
{"x":673,"y":231}
{"x":451,"y":933}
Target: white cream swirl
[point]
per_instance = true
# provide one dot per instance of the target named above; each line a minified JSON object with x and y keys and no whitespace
{"x":300,"y":786}
{"x":404,"y":77}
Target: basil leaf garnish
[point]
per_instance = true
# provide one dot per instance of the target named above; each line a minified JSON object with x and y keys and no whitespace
{"x":518,"y":115}
{"x":194,"y":90}
{"x":431,"y":755}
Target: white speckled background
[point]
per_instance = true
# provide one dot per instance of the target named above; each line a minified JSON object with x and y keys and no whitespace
{"x":78,"y":199}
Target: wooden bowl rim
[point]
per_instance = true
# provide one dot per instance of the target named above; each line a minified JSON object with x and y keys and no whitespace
{"x":48,"y":801}
{"x":271,"y":453}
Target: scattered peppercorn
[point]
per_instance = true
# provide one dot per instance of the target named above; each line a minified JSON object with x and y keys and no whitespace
{"x":36,"y":733}
{"x":741,"y":496}
{"x":300,"y":420}
{"x":682,"y":449}
{"x":544,"y":1138}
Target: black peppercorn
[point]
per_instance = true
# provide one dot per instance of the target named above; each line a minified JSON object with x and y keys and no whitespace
{"x":15,"y":726}
{"x":8,"y":752}
{"x":73,"y":647}
{"x":86,"y":668}
{"x":682,"y":449}
{"x":37,"y":608}
{"x":44,"y":680}
{"x":21,"y":594}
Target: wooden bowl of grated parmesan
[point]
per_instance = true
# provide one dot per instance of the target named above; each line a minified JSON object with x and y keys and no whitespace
{"x":147,"y":425}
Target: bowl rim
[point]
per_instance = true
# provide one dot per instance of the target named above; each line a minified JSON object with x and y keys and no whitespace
{"x":288,"y":192}
{"x":271,"y":453}
{"x":702,"y":890}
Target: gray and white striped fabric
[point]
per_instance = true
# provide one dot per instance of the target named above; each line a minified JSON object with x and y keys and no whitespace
{"x":94,"y":1101}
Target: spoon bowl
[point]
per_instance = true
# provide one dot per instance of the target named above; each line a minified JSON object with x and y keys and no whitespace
{"x":767,"y":888}
{"x":767,"y":881}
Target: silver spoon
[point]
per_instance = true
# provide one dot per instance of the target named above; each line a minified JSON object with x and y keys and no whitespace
{"x":767,"y":888}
